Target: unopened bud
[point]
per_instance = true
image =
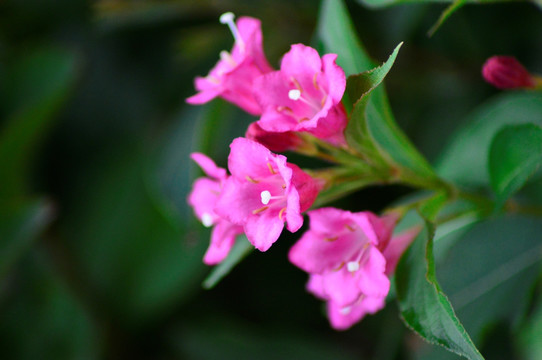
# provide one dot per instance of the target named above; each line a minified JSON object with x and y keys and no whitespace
{"x":505,"y":72}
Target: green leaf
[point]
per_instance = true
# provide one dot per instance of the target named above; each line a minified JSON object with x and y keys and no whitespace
{"x":465,"y":159}
{"x":239,"y":251}
{"x":529,"y":337}
{"x":358,"y":89}
{"x":456,"y":5}
{"x":336,"y":34}
{"x":489,"y":273}
{"x":21,"y":223}
{"x":36,"y":88}
{"x":424,"y":307}
{"x":515,"y":154}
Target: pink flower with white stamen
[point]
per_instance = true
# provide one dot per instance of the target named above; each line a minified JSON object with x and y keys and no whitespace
{"x":304,"y":95}
{"x":264,"y":192}
{"x":349,"y":257}
{"x":203,"y":198}
{"x":233,"y":76}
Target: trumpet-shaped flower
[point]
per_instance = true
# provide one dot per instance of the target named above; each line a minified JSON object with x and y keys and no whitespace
{"x":203,"y":198}
{"x":264,"y":192}
{"x":304,"y":95}
{"x":349,"y":257}
{"x":233,"y":76}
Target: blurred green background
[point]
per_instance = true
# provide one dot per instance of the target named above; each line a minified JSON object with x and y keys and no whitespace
{"x":100,"y":257}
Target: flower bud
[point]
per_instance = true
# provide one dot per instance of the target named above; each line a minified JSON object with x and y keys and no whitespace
{"x":505,"y":72}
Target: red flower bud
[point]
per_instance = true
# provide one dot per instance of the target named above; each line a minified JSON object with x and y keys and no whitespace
{"x":505,"y":72}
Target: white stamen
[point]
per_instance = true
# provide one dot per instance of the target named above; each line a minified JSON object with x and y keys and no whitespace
{"x":294,"y":94}
{"x":345,"y":310}
{"x":227,"y":18}
{"x":266,"y":197}
{"x":352,"y":266}
{"x":207,"y":219}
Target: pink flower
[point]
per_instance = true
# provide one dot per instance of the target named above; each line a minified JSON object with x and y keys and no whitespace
{"x":233,"y":76}
{"x":263,"y":192}
{"x":203,"y":198}
{"x":305,"y":95}
{"x":505,"y":72}
{"x":349,"y":257}
{"x":274,"y":141}
{"x":343,"y":317}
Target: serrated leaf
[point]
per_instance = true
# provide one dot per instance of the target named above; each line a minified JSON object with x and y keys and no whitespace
{"x":424,"y":307}
{"x":239,"y":251}
{"x":358,"y":90}
{"x":514,"y":155}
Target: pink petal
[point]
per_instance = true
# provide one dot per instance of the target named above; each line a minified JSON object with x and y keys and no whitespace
{"x":248,"y":158}
{"x":293,"y":213}
{"x":222,"y":240}
{"x":233,"y":80}
{"x":372,"y":278}
{"x":263,"y":230}
{"x":203,"y":197}
{"x":342,"y":318}
{"x":202,"y":97}
{"x":383,"y":228}
{"x":273,"y":121}
{"x":330,"y":220}
{"x":397,"y":247}
{"x":331,"y":124}
{"x":342,"y":286}
{"x":238,"y":86}
{"x":250,"y":30}
{"x":301,"y":60}
{"x":306,"y":186}
{"x":336,"y":79}
{"x":315,"y":285}
{"x":319,"y":249}
{"x":208,"y":166}
{"x":365,"y":221}
{"x":237,"y":201}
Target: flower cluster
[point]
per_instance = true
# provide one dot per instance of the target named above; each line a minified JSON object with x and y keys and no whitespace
{"x":349,"y":256}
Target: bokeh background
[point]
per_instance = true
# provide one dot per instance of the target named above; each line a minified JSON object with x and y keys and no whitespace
{"x":100,"y":257}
